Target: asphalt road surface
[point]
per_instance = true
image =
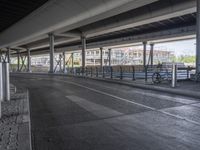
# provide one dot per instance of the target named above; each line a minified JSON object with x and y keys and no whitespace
{"x":82,"y":114}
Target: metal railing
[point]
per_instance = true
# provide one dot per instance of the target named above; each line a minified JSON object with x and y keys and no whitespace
{"x":136,"y":72}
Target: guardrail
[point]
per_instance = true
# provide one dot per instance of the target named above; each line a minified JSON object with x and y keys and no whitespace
{"x":129,"y":72}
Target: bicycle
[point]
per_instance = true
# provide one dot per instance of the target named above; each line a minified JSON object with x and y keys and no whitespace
{"x":160,"y":76}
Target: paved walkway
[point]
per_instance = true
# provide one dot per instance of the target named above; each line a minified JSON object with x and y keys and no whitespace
{"x":14,"y":124}
{"x":184,"y":87}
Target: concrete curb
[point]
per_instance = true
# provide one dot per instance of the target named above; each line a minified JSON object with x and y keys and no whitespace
{"x":187,"y":93}
{"x":25,"y":133}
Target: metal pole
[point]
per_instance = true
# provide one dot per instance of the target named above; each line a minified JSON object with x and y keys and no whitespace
{"x":109,"y":56}
{"x":151,"y":53}
{"x":28,"y":60}
{"x":83,"y":39}
{"x":51,"y":45}
{"x":144,"y":53}
{"x":174,"y":75}
{"x":18,"y":60}
{"x":6,"y":81}
{"x":198,"y":38}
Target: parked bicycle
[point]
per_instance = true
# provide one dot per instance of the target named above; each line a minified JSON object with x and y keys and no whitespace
{"x":161,"y":74}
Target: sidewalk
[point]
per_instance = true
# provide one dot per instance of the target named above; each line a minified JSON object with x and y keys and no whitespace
{"x":183,"y":88}
{"x":15,"y":122}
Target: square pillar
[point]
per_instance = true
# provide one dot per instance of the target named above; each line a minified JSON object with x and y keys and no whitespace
{"x":101,"y":57}
{"x":8,"y":55}
{"x":28,"y":60}
{"x":83,"y":40}
{"x":72,"y":55}
{"x":64,"y":63}
{"x":51,"y":46}
{"x":18,"y":60}
{"x":144,"y":53}
{"x":151,"y":53}
{"x":1,"y":88}
{"x":109,"y":57}
{"x":6,"y":81}
{"x":198,"y":38}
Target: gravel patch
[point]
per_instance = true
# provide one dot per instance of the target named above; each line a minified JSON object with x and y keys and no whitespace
{"x":14,"y":124}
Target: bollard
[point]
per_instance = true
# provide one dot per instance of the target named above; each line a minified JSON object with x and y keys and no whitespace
{"x":91,"y":71}
{"x":174,"y":75}
{"x":133,"y":77}
{"x":121,"y":73}
{"x":111,"y":72}
{"x":6,"y":81}
{"x":103,"y":73}
{"x":146,"y":71}
{"x":188,"y":72}
{"x":0,"y":110}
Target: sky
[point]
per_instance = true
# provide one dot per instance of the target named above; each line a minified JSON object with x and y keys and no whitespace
{"x":187,"y":47}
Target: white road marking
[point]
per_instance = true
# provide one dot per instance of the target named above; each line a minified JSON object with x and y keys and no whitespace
{"x":110,"y":95}
{"x":163,"y":97}
{"x":96,"y":109}
{"x":169,"y":98}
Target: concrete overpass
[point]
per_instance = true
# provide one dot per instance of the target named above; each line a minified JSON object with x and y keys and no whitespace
{"x":79,"y":113}
{"x":101,"y":25}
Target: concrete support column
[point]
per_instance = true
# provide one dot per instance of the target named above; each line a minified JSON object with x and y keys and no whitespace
{"x":28,"y":60}
{"x":1,"y":82}
{"x":18,"y":60}
{"x":6,"y":81}
{"x":109,"y":57}
{"x":51,"y":46}
{"x":64,"y":63}
{"x":72,"y":55}
{"x":144,"y":53}
{"x":151,"y":53}
{"x":8,"y":55}
{"x":101,"y":57}
{"x":198,"y":38}
{"x":1,"y":88}
{"x":83,"y":40}
{"x":0,"y":56}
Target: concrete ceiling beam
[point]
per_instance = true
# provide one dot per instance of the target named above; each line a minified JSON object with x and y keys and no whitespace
{"x":153,"y":13}
{"x":64,"y":15}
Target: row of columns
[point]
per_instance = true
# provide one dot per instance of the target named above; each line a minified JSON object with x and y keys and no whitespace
{"x":83,"y":41}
